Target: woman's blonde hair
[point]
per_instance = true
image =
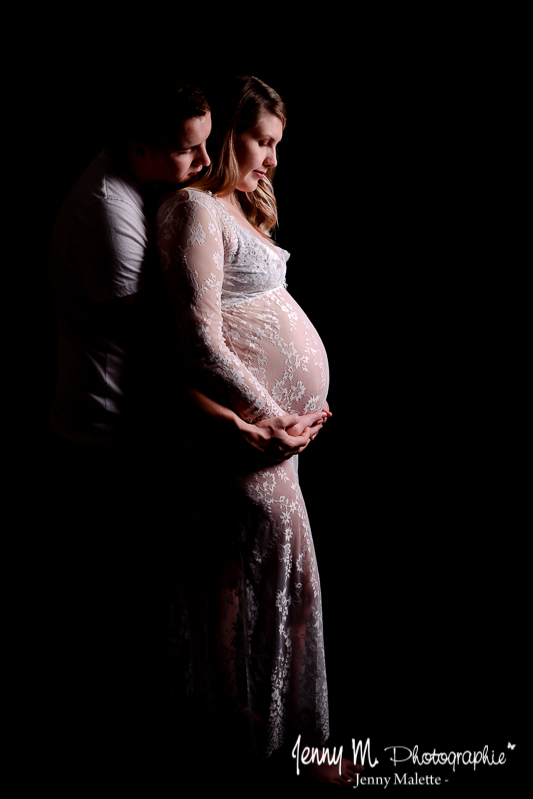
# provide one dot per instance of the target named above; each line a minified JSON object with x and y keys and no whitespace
{"x":240,"y":109}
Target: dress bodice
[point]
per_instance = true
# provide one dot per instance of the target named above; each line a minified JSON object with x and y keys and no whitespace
{"x":251,"y":266}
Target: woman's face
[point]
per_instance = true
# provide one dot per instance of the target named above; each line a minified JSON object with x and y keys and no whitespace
{"x":256,"y":150}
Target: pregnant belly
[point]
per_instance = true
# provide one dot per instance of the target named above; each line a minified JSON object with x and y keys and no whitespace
{"x":277,"y":342}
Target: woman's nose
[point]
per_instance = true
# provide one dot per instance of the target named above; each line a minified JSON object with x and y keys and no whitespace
{"x":271,"y":159}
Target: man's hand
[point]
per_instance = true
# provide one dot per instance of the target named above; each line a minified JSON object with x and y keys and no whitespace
{"x":276,"y":439}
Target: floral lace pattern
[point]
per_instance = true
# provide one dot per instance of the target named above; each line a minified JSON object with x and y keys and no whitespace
{"x":257,"y":619}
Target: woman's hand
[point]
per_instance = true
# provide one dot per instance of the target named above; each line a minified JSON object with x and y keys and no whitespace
{"x":309,"y":420}
{"x":284,"y":436}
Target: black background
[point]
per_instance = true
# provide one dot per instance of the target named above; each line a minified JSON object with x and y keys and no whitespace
{"x":395,"y":181}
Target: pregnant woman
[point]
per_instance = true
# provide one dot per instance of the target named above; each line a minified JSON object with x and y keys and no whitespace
{"x":250,"y":619}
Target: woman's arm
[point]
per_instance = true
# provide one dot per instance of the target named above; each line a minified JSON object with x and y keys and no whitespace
{"x":191,"y":250}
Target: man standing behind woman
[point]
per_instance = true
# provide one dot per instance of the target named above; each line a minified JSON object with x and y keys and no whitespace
{"x":108,"y":412}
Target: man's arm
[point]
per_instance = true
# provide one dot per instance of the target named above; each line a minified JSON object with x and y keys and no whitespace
{"x":277,"y":439}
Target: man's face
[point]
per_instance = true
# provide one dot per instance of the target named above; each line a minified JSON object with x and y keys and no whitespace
{"x":180,"y":162}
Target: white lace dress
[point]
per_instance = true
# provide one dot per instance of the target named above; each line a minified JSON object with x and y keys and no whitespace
{"x":249,"y":618}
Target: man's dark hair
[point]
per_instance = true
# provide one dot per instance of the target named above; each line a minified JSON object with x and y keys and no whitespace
{"x":152,"y":111}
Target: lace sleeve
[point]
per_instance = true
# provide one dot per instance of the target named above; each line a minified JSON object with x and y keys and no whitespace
{"x":191,"y":251}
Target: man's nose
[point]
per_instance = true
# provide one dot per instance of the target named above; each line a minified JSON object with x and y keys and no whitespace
{"x":202,"y":157}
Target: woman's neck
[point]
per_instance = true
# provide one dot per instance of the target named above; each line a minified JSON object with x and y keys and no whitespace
{"x":230,"y":202}
{"x":233,"y":208}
